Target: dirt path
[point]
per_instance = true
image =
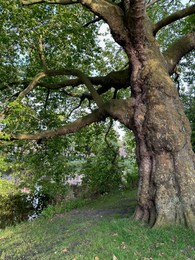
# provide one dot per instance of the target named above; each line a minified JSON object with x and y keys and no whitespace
{"x":122,"y":209}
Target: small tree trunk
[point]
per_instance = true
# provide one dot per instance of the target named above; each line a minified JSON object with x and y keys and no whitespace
{"x":166,"y":192}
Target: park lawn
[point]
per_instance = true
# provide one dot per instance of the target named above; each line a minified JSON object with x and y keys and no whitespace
{"x":101,"y":229}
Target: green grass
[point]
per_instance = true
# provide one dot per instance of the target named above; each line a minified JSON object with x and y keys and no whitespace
{"x":100,"y":229}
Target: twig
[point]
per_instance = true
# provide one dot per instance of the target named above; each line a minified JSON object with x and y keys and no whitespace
{"x":93,"y":21}
{"x":41,"y":53}
{"x":47,"y":98}
{"x":62,"y":2}
{"x":75,"y":108}
{"x":108,"y":144}
{"x":151,"y":4}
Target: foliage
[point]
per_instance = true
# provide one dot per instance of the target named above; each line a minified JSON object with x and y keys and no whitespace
{"x":100,"y":169}
{"x":66,"y":43}
{"x":12,"y":203}
{"x":20,"y":117}
{"x":13,"y":209}
{"x":63,"y":207}
{"x":7,"y":188}
{"x":188,"y":98}
{"x":50,"y":163}
{"x":128,"y":162}
{"x":17,"y":205}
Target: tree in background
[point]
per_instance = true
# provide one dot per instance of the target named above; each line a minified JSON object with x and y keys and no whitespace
{"x":45,"y":73}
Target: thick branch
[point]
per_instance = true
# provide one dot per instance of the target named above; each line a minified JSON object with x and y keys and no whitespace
{"x":113,"y":15}
{"x":121,"y":110}
{"x":117,"y":109}
{"x":33,"y":84}
{"x":84,"y":79}
{"x":174,"y":17}
{"x":179,"y":49}
{"x":64,"y":130}
{"x":115,"y":79}
{"x":41,"y":53}
{"x":62,"y":2}
{"x":136,"y":15}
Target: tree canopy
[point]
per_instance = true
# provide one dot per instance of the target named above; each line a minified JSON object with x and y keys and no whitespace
{"x":52,"y":59}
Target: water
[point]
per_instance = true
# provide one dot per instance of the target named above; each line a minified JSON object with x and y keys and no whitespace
{"x":21,"y":207}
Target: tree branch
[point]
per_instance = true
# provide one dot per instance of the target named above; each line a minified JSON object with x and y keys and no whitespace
{"x":113,"y":15}
{"x":174,"y":17}
{"x":33,"y":84}
{"x":92,"y":22}
{"x":136,"y":15}
{"x":117,"y":109}
{"x":115,"y":79}
{"x":84,"y":79}
{"x":62,"y":2}
{"x":41,"y":53}
{"x":179,"y":49}
{"x":91,"y":89}
{"x":95,"y":116}
{"x":149,"y":5}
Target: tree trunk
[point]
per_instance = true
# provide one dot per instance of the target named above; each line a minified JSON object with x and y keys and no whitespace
{"x":166,"y":192}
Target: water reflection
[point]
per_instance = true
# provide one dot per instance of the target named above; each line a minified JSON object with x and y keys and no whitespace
{"x":20,"y":207}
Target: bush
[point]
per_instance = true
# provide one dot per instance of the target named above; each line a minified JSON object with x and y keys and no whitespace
{"x":16,"y":206}
{"x":64,"y":206}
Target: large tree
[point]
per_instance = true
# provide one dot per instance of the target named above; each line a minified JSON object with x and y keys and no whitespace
{"x":153,"y":110}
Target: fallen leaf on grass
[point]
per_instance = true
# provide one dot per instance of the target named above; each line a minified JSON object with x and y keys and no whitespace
{"x":188,"y":248}
{"x":137,"y":253}
{"x":173,"y":239}
{"x":114,"y":257}
{"x":123,"y":245}
{"x":96,"y":258}
{"x":65,"y":250}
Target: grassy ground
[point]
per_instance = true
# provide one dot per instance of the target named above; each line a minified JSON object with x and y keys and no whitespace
{"x":100,"y":230}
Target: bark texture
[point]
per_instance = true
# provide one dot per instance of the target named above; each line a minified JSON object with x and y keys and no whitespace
{"x":166,"y":193}
{"x":166,"y":162}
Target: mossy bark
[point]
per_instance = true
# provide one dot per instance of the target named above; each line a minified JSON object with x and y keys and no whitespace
{"x":166,"y":193}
